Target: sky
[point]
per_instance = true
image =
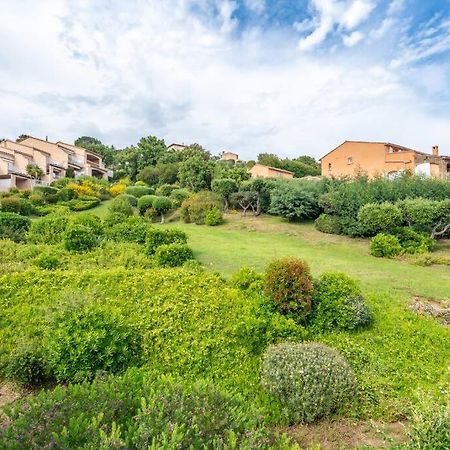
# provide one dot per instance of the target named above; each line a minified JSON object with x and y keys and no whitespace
{"x":251,"y":76}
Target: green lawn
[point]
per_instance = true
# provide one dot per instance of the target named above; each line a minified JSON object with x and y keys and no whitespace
{"x":254,"y":242}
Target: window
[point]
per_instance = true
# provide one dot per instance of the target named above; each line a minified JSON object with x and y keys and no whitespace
{"x":349,"y":160}
{"x":329,"y":166}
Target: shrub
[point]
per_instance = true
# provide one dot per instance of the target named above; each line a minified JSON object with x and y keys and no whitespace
{"x":79,"y":238}
{"x":379,"y":218}
{"x":91,"y":221}
{"x":28,"y":366}
{"x":247,"y":279}
{"x":214,"y":217}
{"x":139,"y":191}
{"x":85,"y":339}
{"x":328,"y":224}
{"x":131,"y":199}
{"x":178,"y":196}
{"x":83,"y":189}
{"x":385,"y":245}
{"x":430,"y":428}
{"x":289,"y":284}
{"x":132,"y":229}
{"x":47,"y":261}
{"x":145,"y":202}
{"x":37,"y":199}
{"x":13,"y":226}
{"x":117,"y":189}
{"x":413,"y":242}
{"x":173,"y":255}
{"x":157,"y":237}
{"x":121,"y":206}
{"x":196,"y":207}
{"x":338,"y":304}
{"x":165,"y":190}
{"x":311,"y":379}
{"x":162,"y":205}
{"x":66,"y":194}
{"x":45,"y":190}
{"x":10,"y":204}
{"x":48,"y":230}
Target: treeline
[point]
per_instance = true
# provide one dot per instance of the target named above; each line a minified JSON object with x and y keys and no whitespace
{"x":194,"y":167}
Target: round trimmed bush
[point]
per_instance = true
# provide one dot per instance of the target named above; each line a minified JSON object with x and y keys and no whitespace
{"x":312,"y":380}
{"x":145,"y":202}
{"x":289,"y":284}
{"x":173,"y":255}
{"x":157,"y":237}
{"x":121,"y":206}
{"x":338,"y":304}
{"x":48,"y":230}
{"x":214,"y":217}
{"x":10,"y":204}
{"x":413,"y":242}
{"x":178,"y":196}
{"x":28,"y":366}
{"x":385,"y":245}
{"x":13,"y":226}
{"x":139,"y":191}
{"x":131,"y":199}
{"x":85,"y":339}
{"x":93,"y":222}
{"x":162,"y":205}
{"x":328,"y":224}
{"x":133,"y":229}
{"x":79,"y":238}
{"x":47,"y":261}
{"x":165,"y":190}
{"x":246,"y":278}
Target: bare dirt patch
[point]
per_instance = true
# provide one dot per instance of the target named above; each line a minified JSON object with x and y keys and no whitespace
{"x":9,"y":393}
{"x":439,"y":310}
{"x":347,"y":434}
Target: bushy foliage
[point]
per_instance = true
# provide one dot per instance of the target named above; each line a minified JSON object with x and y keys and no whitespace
{"x":145,"y":202}
{"x":131,"y":199}
{"x":413,"y":242}
{"x":165,"y":190}
{"x":196,"y":207}
{"x":82,"y":203}
{"x":385,"y":245}
{"x":47,"y":261}
{"x":13,"y":226}
{"x":178,"y":196}
{"x":139,"y":191}
{"x":247,"y":279}
{"x":295,"y":200}
{"x":379,"y":218}
{"x":173,"y":255}
{"x":87,"y":338}
{"x":10,"y":204}
{"x":121,"y":206}
{"x":224,"y":187}
{"x":328,"y":224}
{"x":137,"y":411}
{"x":132,"y":229}
{"x":117,"y":189}
{"x":79,"y":238}
{"x":311,"y":379}
{"x":288,"y":282}
{"x":83,"y":188}
{"x":91,"y":221}
{"x":45,"y":190}
{"x":48,"y":230}
{"x":214,"y":217}
{"x":157,"y":237}
{"x":338,"y":304}
{"x":28,"y":366}
{"x":162,"y":205}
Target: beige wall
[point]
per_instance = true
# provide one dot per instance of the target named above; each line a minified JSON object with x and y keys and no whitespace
{"x":56,"y":153}
{"x":259,"y":170}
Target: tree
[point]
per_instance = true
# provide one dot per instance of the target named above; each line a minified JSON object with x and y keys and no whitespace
{"x":34,"y":171}
{"x":269,"y":159}
{"x":245,"y":200}
{"x":262,"y":187}
{"x":22,"y":137}
{"x":150,"y":149}
{"x":237,"y":172}
{"x":162,"y":205}
{"x":195,"y":173}
{"x":194,"y":150}
{"x":225,"y":187}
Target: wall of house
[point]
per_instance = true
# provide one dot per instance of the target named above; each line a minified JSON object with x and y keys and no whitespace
{"x":278,"y":174}
{"x":56,"y":153}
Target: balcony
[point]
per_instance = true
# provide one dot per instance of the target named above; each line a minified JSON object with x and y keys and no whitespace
{"x":76,"y":161}
{"x":52,"y":162}
{"x":16,"y":170}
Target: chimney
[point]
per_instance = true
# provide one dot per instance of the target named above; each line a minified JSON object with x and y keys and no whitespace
{"x":46,"y":139}
{"x":435,"y":150}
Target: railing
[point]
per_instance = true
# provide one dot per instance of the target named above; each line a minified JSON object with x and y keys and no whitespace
{"x":75,"y":160}
{"x":14,"y":169}
{"x":56,"y":163}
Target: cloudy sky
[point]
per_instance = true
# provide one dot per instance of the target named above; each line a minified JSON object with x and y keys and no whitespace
{"x":283,"y":76}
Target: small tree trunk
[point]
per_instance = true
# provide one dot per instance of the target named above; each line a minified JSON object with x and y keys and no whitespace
{"x":162,"y":218}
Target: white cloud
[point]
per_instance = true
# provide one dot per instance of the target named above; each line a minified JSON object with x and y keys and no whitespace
{"x":350,"y":40}
{"x":122,"y":72}
{"x":257,"y":6}
{"x":226,"y":10}
{"x":328,"y":14}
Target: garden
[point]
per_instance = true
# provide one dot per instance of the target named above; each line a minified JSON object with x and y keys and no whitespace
{"x":225,"y":312}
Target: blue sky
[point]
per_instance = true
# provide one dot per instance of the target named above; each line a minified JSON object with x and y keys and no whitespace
{"x":289,"y":77}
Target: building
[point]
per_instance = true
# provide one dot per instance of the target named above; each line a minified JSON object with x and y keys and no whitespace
{"x":260,"y":170}
{"x":176,"y":147}
{"x":53,"y":158}
{"x":383,"y":158}
{"x":229,"y":156}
